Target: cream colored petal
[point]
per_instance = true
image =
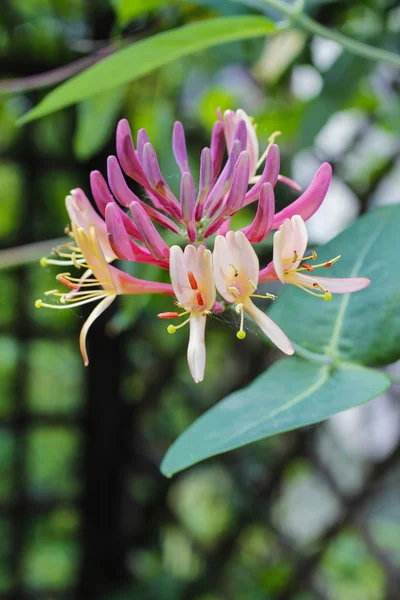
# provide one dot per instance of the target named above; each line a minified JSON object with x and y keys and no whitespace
{"x":252,"y":140}
{"x":95,"y":259}
{"x":277,"y":255}
{"x":207,"y":277}
{"x":196,"y":354}
{"x":82,"y":213}
{"x":178,"y":274}
{"x":248,"y":258}
{"x":300,"y":236}
{"x":335,"y":285}
{"x":222,"y":267}
{"x":100,"y":308}
{"x":269,"y":327}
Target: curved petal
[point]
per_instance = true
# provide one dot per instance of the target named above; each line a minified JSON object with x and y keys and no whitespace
{"x":178,"y":274}
{"x":262,"y":223}
{"x":310,"y":201}
{"x":100,"y":308}
{"x":196,"y":353}
{"x":269,"y":327}
{"x":335,"y":285}
{"x":222,"y":267}
{"x":270,"y":175}
{"x":277,"y":255}
{"x":82,"y":213}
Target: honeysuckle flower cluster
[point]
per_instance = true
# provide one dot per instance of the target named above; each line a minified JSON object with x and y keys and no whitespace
{"x":211,"y":267}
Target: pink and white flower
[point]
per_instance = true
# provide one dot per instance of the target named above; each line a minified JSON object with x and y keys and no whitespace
{"x":236,"y":272}
{"x":193,"y":282}
{"x":101,"y":282}
{"x":289,"y":266}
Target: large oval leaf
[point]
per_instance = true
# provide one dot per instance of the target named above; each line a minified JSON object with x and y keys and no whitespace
{"x":363,"y":327}
{"x":143,"y":57}
{"x":291,"y":394}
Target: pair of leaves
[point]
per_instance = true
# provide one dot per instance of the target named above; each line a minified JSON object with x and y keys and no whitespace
{"x":340,"y":339}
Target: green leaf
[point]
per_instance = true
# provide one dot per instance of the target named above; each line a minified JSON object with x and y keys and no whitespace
{"x":96,"y":120}
{"x":363,"y":327}
{"x":142,"y":57}
{"x":132,"y":9}
{"x":292,"y":393}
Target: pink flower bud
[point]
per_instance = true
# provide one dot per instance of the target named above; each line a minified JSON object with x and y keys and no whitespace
{"x":179,"y":147}
{"x":262,"y":223}
{"x":154,"y":242}
{"x":269,"y":175}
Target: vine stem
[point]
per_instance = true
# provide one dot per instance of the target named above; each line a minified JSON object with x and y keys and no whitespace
{"x":295,"y":14}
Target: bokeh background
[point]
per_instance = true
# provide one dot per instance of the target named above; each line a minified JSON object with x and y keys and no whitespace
{"x":84,"y":510}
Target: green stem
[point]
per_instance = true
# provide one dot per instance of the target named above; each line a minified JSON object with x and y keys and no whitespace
{"x":347,"y":43}
{"x":313,"y":356}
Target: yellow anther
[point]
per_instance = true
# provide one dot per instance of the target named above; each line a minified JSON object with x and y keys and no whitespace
{"x":233,"y":290}
{"x":327,"y":296}
{"x":171,"y":329}
{"x":235,"y":271}
{"x":38,"y":303}
{"x":273,"y":136}
{"x":253,"y":285}
{"x":295,"y":257}
{"x":241,"y":335}
{"x":43,"y":261}
{"x":265,"y":296}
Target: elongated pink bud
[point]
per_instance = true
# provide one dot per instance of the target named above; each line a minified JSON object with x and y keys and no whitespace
{"x":127,"y":155}
{"x":118,"y":236}
{"x":117,"y":183}
{"x":215,"y":226}
{"x":120,"y":241}
{"x":240,"y":133}
{"x":229,"y":121}
{"x":269,"y":175}
{"x":223,"y":183}
{"x":217,"y":147}
{"x":125,"y":196}
{"x":268,"y":273}
{"x":240,"y":183}
{"x":206,"y":174}
{"x":187,"y":197}
{"x":310,"y":201}
{"x":103,"y":197}
{"x":153,"y":240}
{"x":158,"y":183}
{"x":142,"y":139}
{"x":179,"y":147}
{"x":187,"y":205}
{"x":262,"y":223}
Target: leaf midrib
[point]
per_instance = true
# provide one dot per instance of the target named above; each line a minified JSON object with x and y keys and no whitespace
{"x":332,"y":346}
{"x":323,"y":376}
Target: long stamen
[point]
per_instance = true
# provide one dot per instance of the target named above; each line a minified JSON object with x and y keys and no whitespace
{"x":241,"y":334}
{"x":172,"y":328}
{"x":53,"y":261}
{"x":264,"y":296}
{"x":39,"y":303}
{"x":310,"y":268}
{"x":327,"y":296}
{"x":271,"y":141}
